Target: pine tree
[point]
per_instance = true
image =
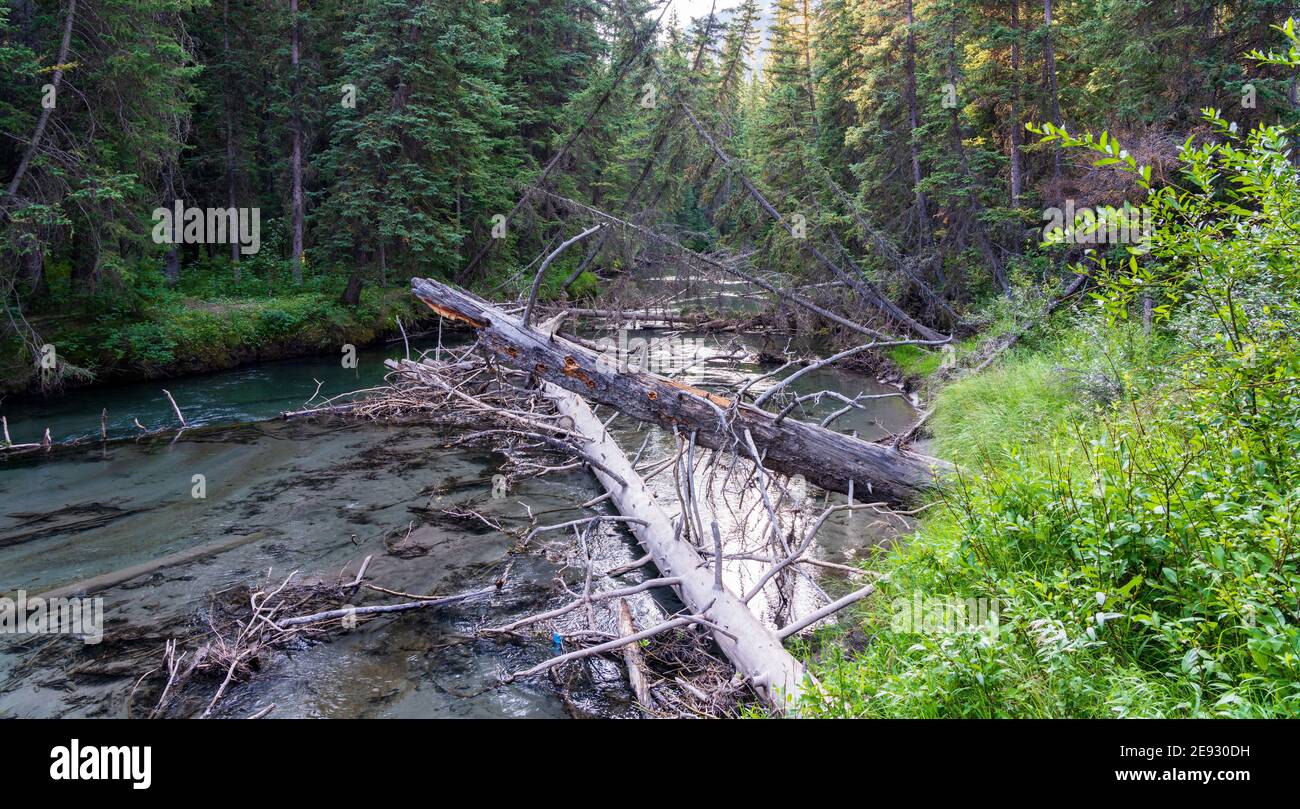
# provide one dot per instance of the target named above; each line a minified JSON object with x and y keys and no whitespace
{"x":415,"y":172}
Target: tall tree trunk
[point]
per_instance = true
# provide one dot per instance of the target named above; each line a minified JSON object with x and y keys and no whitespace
{"x":1049,"y":71}
{"x":56,"y":80}
{"x":34,"y":265}
{"x":295,"y":260}
{"x":913,"y":121}
{"x":172,"y":262}
{"x":1292,"y":90}
{"x":230,"y":129}
{"x":352,"y":292}
{"x":973,"y":205}
{"x":1017,"y":125}
{"x":808,"y":68}
{"x":84,"y":273}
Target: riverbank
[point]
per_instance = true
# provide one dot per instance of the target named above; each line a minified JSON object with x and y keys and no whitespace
{"x":1104,"y":553}
{"x":174,"y":334}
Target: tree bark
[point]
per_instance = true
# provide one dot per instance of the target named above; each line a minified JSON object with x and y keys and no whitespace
{"x":753,"y":648}
{"x":295,"y":259}
{"x":352,"y":292}
{"x":34,"y":145}
{"x":230,"y":130}
{"x":1017,"y":126}
{"x":913,"y":124}
{"x":1049,"y":69}
{"x":172,"y":259}
{"x":828,"y":459}
{"x":978,"y":231}
{"x":633,"y":659}
{"x":35,"y":265}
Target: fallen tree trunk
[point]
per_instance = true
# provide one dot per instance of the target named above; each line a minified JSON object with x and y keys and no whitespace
{"x":828,"y":459}
{"x":755,"y":650}
{"x":104,"y":581}
{"x":633,"y":659}
{"x":641,"y":314}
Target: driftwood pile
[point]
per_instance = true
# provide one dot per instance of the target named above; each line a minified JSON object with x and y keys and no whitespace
{"x":516,"y":388}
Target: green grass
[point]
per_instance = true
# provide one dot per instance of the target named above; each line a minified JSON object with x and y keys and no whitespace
{"x":173,"y":332}
{"x":915,"y":361}
{"x":1005,"y":406}
{"x":921,"y":363}
{"x":1139,"y":552}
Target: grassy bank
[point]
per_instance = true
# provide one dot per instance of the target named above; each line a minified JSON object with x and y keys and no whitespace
{"x":162,"y":333}
{"x":1123,"y":538}
{"x":1139,"y":564}
{"x":137,"y":327}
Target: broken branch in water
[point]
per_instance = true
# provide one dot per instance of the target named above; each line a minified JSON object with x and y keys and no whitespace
{"x":382,"y":609}
{"x":584,"y":521}
{"x":541,"y":271}
{"x":827,"y":611}
{"x":241,"y":628}
{"x":588,"y":598}
{"x":600,"y":648}
{"x":175,"y":407}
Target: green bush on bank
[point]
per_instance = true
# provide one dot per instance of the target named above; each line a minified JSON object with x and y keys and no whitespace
{"x":1130,"y":506}
{"x":1141,"y":558}
{"x":205,"y":334}
{"x":169,"y":332}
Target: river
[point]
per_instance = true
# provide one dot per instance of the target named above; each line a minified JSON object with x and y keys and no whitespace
{"x":316,"y":496}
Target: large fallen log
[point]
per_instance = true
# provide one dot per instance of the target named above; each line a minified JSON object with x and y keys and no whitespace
{"x":828,"y":459}
{"x":753,"y":648}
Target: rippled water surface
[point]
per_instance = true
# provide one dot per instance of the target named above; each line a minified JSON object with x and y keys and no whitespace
{"x":317,"y":496}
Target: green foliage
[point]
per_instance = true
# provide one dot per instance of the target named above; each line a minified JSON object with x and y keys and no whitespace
{"x":586,"y":285}
{"x":421,"y":162}
{"x":915,"y":361}
{"x":1005,"y":407}
{"x":1129,"y":502}
{"x":171,"y":332}
{"x":1142,"y":557}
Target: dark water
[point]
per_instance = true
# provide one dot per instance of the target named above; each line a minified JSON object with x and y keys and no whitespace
{"x":316,"y":497}
{"x":251,"y":393}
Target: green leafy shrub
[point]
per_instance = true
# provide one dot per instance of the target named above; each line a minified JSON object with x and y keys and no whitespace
{"x":1140,"y":535}
{"x":145,"y":346}
{"x":586,"y":285}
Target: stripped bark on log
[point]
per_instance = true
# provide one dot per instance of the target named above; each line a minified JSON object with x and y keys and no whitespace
{"x":828,"y":459}
{"x":633,"y":659}
{"x":753,"y":648}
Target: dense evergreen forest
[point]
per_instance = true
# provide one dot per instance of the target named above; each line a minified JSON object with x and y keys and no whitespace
{"x":379,"y":140}
{"x":1125,"y":412}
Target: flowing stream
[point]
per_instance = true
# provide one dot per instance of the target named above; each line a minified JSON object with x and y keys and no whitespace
{"x":318,"y":495}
